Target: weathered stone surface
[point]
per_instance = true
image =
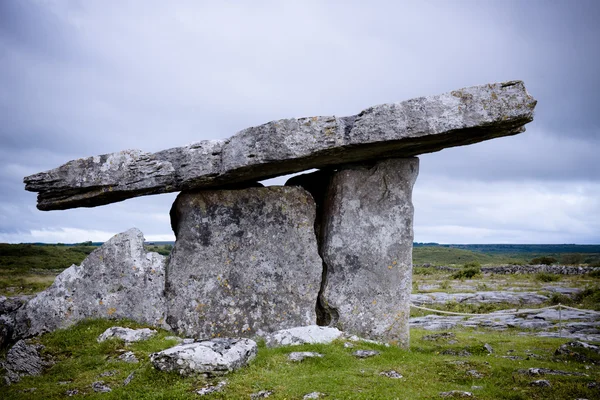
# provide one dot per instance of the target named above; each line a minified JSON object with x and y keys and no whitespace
{"x":365,"y":353}
{"x":298,"y":356}
{"x":211,"y":357}
{"x":412,"y":127}
{"x":8,"y":310}
{"x":544,"y":322}
{"x":128,"y":335}
{"x":118,"y":280}
{"x":312,"y":334}
{"x":366,"y":245}
{"x":479,"y":298}
{"x":245,"y":262}
{"x":129,"y":357}
{"x":23,"y":359}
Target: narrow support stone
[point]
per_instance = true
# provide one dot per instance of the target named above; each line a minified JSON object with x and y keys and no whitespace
{"x":366,"y":238}
{"x":245,"y":262}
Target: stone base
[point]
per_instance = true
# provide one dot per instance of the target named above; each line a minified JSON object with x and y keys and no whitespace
{"x":245,"y":262}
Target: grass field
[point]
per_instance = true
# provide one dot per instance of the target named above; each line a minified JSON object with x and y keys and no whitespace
{"x":426,"y":370}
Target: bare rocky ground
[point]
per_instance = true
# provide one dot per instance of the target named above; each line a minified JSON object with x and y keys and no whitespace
{"x":507,"y":301}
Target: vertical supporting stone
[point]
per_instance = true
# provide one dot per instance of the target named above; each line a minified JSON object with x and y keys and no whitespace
{"x":245,"y":262}
{"x":366,"y":245}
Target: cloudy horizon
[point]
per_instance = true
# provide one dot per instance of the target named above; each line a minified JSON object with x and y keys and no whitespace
{"x":81,"y":78}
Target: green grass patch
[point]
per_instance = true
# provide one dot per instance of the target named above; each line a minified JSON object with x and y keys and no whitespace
{"x":428,"y":368}
{"x":546,"y":277}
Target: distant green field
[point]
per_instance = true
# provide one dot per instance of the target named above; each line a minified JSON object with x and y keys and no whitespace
{"x":28,"y":268}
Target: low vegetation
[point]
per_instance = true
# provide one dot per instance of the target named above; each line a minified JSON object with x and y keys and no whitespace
{"x":428,"y":368}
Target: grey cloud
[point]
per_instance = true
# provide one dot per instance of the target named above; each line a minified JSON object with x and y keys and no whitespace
{"x":85,"y":78}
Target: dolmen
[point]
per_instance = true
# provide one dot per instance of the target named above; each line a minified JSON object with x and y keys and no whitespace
{"x":332,"y":247}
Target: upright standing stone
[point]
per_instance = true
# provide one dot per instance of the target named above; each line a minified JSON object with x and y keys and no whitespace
{"x":367,"y":238}
{"x":118,"y":280}
{"x":245,"y":262}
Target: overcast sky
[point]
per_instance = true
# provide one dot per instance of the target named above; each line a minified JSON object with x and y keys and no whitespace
{"x":80,"y":78}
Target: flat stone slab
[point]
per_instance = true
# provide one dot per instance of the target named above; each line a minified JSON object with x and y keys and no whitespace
{"x":490,"y":297}
{"x":405,"y":129}
{"x":211,"y":357}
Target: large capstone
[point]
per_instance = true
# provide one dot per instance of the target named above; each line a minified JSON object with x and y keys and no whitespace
{"x":118,"y":280}
{"x":366,"y":245}
{"x":245,"y":262}
{"x":406,"y":129}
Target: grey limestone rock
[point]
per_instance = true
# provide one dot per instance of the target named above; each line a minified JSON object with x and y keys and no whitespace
{"x":313,"y":395}
{"x":210,"y":358}
{"x":263,"y":394}
{"x":312,"y":334}
{"x":118,"y":280}
{"x":406,"y":129}
{"x":100,"y":387}
{"x":24,"y":359}
{"x":209,"y":389}
{"x":366,"y":245}
{"x":540,"y":383}
{"x":298,"y":356}
{"x":488,"y":297}
{"x":129,"y":357}
{"x":456,"y":393}
{"x":8,"y":310}
{"x":391,"y":374}
{"x":365,"y":353}
{"x":128,"y":335}
{"x":245,"y":262}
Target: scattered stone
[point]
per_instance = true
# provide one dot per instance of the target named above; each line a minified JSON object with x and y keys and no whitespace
{"x":64,"y":383}
{"x":301,"y":355}
{"x":488,"y":348}
{"x":212,"y":388}
{"x":128,"y":379}
{"x":108,"y":373}
{"x":126,"y":334}
{"x":484,"y":297}
{"x":263,"y":394}
{"x":368,"y":220}
{"x":211,"y":358}
{"x":355,"y":338}
{"x":440,"y":336}
{"x":421,"y":125}
{"x":72,"y":392}
{"x":546,"y":371}
{"x":348,"y":345}
{"x":128,"y":357}
{"x":313,"y":395}
{"x":245,"y":262}
{"x":365,"y":353}
{"x":593,"y":385}
{"x":312,"y":334}
{"x":24,"y":359}
{"x":188,"y":341}
{"x":391,"y":374}
{"x":474,"y":374}
{"x":176,"y":338}
{"x":514,"y":358}
{"x":100,"y":387}
{"x":460,"y":353}
{"x":579,"y":351}
{"x":540,"y":383}
{"x":456,"y":393}
{"x":29,"y":390}
{"x":476,"y":387}
{"x":118,"y":280}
